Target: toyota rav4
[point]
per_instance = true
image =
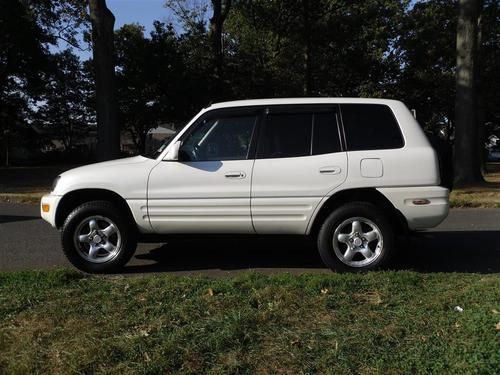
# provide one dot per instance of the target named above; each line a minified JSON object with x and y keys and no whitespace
{"x":349,"y":173}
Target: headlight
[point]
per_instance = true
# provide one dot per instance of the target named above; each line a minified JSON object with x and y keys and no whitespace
{"x":54,"y":184}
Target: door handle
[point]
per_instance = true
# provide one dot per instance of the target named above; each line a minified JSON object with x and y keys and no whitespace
{"x":237,"y":174}
{"x":330,"y":170}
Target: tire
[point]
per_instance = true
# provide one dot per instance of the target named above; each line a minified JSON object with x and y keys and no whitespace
{"x":345,"y":247}
{"x":97,"y":238}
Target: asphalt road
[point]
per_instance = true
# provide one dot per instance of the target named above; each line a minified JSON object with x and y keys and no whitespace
{"x":468,"y":241}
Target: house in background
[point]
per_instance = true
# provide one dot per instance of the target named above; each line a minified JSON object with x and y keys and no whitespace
{"x":157,"y":136}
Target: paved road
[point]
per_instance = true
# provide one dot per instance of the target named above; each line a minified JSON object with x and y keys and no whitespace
{"x":468,"y":241}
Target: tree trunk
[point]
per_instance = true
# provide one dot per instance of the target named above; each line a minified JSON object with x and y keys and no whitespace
{"x":108,"y":132}
{"x":306,"y":13}
{"x":467,"y":162}
{"x":220,"y":12}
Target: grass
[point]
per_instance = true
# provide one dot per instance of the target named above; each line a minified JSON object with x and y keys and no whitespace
{"x":487,"y":196}
{"x":385,"y":322}
{"x":22,"y":197}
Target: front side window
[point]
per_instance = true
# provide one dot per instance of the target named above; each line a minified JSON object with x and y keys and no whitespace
{"x":370,"y":127}
{"x":219,"y":138}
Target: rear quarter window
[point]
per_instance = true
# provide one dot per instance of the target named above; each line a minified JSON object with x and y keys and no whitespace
{"x":370,"y":127}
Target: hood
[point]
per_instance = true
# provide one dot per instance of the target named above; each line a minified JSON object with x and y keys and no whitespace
{"x":105,"y":164}
{"x":115,"y":175}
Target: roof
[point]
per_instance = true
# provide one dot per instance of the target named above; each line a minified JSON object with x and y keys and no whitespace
{"x":161,"y":130}
{"x":281,"y":101}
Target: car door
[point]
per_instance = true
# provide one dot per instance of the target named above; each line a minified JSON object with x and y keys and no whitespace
{"x":208,"y":189}
{"x":300,"y":159}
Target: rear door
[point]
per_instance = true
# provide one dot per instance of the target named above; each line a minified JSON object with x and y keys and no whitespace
{"x":300,"y":159}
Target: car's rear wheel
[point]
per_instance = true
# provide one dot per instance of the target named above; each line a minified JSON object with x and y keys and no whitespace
{"x":97,"y":238}
{"x":356,"y":237}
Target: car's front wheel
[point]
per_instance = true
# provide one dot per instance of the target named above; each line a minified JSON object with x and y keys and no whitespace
{"x":356,"y":237}
{"x":96,"y":238}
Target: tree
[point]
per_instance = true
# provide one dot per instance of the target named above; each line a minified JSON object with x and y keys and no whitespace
{"x":220,"y":10}
{"x":108,"y":132}
{"x":427,"y":53}
{"x":467,"y":161}
{"x":27,"y":30}
{"x":64,"y":112}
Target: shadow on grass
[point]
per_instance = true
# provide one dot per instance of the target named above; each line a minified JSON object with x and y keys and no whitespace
{"x":439,"y":251}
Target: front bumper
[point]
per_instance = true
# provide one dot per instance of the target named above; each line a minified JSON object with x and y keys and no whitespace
{"x":420,"y":216}
{"x":48,"y":208}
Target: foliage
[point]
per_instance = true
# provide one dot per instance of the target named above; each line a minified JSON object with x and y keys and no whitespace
{"x":27,"y":31}
{"x":63,"y":111}
{"x":379,"y":48}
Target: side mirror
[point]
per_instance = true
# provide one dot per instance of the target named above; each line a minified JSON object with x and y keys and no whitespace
{"x":173,"y":152}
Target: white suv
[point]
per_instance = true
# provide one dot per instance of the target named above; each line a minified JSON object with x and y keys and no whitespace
{"x":350,"y":173}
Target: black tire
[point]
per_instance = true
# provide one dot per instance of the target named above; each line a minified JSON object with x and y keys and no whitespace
{"x":340,"y":218}
{"x":125,"y":236}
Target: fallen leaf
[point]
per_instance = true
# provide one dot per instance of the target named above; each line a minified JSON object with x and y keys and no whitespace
{"x":495,"y":311}
{"x":146,"y":357}
{"x":210,"y":292}
{"x":497,"y":326}
{"x":324,"y":291}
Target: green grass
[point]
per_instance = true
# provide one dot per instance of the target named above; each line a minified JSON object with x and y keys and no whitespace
{"x":387,"y":322}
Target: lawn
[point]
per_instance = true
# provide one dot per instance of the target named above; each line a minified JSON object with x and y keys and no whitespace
{"x":383,"y":322}
{"x":484,"y":196}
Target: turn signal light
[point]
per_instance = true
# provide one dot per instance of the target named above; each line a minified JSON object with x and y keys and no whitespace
{"x":45,"y":207}
{"x":421,"y":202}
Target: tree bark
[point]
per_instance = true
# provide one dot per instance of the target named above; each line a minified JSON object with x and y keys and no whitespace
{"x":467,"y":161}
{"x":306,"y":13}
{"x":220,"y":11}
{"x":108,"y":132}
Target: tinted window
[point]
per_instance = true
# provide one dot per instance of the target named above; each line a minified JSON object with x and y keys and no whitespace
{"x":286,"y":136}
{"x":219,"y":138}
{"x":370,"y":127}
{"x":325,"y":134}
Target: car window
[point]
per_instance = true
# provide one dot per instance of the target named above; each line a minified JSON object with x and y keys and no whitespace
{"x":286,"y":136}
{"x":219,"y":138}
{"x":370,"y":127}
{"x":289,"y":135}
{"x":325,"y":134}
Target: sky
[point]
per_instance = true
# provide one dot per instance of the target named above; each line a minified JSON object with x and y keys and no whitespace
{"x":143,"y":12}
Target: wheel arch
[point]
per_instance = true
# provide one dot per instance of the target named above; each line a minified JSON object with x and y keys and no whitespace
{"x":370,"y":195}
{"x":75,"y":198}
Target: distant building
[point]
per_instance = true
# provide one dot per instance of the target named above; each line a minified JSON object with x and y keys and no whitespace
{"x":157,"y":136}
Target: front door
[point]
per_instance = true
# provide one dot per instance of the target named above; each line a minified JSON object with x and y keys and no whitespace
{"x":299,"y":161}
{"x":208,"y":189}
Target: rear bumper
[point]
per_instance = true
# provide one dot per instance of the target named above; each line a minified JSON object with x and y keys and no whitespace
{"x":420,"y":216}
{"x":48,"y":208}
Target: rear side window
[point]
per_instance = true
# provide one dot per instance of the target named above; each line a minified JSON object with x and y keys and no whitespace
{"x":325,"y":134}
{"x":288,"y":135}
{"x":370,"y":127}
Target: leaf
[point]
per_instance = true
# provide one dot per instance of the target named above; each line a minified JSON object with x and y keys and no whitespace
{"x":210,"y":292}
